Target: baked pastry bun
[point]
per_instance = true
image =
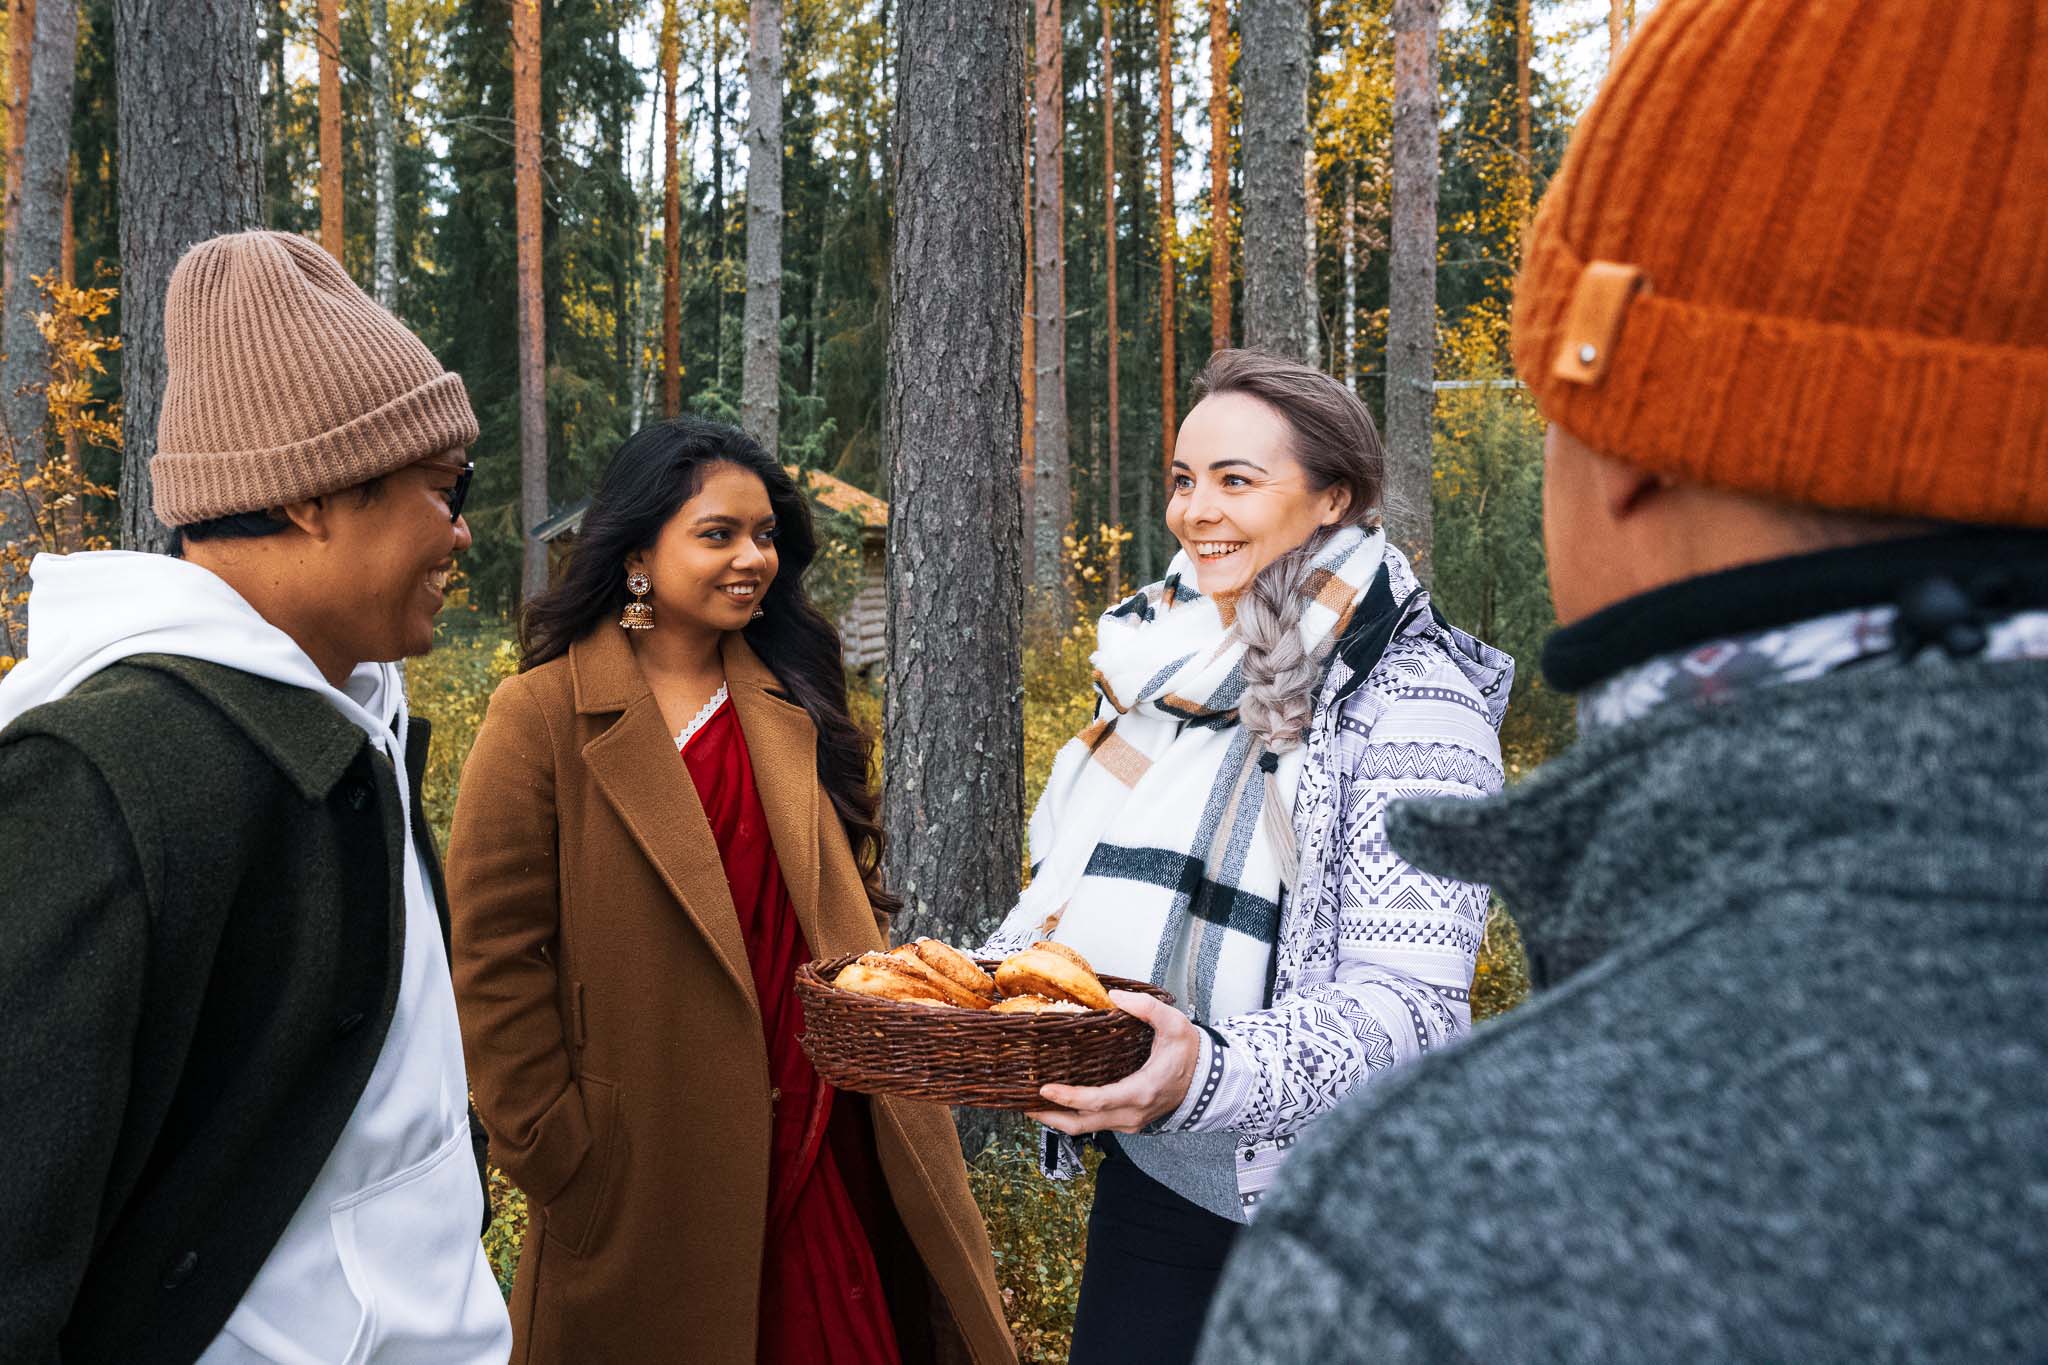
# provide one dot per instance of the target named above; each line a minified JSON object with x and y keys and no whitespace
{"x":948,"y":991}
{"x":956,"y":966}
{"x":1047,"y":945}
{"x":1038,"y":971}
{"x":890,"y":978}
{"x":1037,"y":1004}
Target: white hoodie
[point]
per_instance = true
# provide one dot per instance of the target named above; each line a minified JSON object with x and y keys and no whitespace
{"x":381,"y":1261}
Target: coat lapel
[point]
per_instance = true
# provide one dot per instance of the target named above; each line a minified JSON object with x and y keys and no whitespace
{"x":782,"y":745}
{"x":637,"y":768}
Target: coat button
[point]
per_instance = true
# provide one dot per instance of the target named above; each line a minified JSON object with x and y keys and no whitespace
{"x":181,"y":1270}
{"x":356,"y":794}
{"x":348,"y":1023}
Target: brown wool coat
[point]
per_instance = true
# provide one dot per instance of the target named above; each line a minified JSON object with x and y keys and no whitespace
{"x":611,"y":1027}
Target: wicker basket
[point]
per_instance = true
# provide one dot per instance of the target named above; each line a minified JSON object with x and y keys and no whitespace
{"x":966,"y":1057}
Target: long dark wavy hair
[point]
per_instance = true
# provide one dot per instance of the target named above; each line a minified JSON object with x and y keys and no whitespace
{"x":656,"y":471}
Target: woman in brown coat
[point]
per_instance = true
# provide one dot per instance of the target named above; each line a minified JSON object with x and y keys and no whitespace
{"x":666,"y":812}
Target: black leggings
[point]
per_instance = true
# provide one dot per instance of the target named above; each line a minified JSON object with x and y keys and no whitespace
{"x":1153,"y":1262}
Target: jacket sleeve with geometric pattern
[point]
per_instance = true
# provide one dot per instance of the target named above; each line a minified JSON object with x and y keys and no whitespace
{"x":1374,"y":967}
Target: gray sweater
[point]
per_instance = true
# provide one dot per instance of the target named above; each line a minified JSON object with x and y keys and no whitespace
{"x":1792,"y":1102}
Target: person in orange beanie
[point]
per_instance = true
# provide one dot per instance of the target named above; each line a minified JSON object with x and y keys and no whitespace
{"x":1784,"y":1093}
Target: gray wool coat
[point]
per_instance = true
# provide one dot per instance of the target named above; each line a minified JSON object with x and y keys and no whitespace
{"x":1791,"y":1102}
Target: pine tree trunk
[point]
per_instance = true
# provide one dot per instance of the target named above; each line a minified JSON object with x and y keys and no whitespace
{"x":35,"y":236}
{"x":671,"y":219}
{"x":761,"y":365}
{"x":21,"y":29}
{"x":1614,"y":35}
{"x":1411,"y":293}
{"x":329,"y":44}
{"x":533,"y":434}
{"x":953,"y":799}
{"x":1275,"y":71}
{"x":718,"y":184}
{"x":1219,"y":175}
{"x":645,"y":273}
{"x":1052,"y":485}
{"x":191,"y":137}
{"x":384,"y":136}
{"x":1525,"y":177}
{"x":1115,"y":496}
{"x":1028,"y":367}
{"x":1169,"y":247}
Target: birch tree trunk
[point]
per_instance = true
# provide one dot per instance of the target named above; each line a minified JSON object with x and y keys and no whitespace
{"x":761,"y":363}
{"x":35,"y":235}
{"x":671,"y":219}
{"x":533,"y":432}
{"x":1274,"y":64}
{"x":1052,"y":487}
{"x":1348,"y":370}
{"x":328,"y":41}
{"x":1411,"y":294}
{"x":384,"y":140}
{"x":1116,"y":498}
{"x":190,"y":127}
{"x":953,"y":799}
{"x":1219,"y":175}
{"x":1312,"y":209}
{"x":21,"y":29}
{"x":1169,"y":248}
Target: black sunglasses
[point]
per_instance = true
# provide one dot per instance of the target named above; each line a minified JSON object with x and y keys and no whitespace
{"x":458,"y":492}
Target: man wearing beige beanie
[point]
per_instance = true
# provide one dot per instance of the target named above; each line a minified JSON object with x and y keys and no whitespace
{"x":1785,"y":308}
{"x":236,"y":1108}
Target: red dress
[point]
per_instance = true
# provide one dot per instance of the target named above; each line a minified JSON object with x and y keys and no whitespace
{"x":821,"y":1292}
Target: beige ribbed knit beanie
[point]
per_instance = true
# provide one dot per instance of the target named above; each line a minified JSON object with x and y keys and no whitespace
{"x":288,"y":382}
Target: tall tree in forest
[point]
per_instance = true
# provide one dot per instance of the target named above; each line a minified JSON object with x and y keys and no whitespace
{"x":1411,"y":290}
{"x":533,"y":434}
{"x":761,"y":362}
{"x":1275,"y":68}
{"x":1027,"y":368}
{"x":1115,"y":496}
{"x":329,"y":45}
{"x":671,"y":219}
{"x":191,"y":167}
{"x":1169,"y":246}
{"x":384,"y":142}
{"x":1219,"y":175}
{"x":953,"y":796}
{"x":21,"y":29}
{"x":1052,"y":484}
{"x":1525,"y":167}
{"x":35,"y":235}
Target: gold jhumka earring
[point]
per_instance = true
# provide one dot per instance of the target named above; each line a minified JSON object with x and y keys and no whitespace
{"x":638,"y":615}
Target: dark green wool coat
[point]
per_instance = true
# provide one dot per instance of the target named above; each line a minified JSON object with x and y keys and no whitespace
{"x":1790,"y":1101}
{"x":203,"y":908}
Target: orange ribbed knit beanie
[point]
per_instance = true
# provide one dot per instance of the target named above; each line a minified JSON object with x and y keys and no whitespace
{"x":1800,"y":249}
{"x":288,"y":382}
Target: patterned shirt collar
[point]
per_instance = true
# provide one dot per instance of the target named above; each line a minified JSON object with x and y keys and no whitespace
{"x":1720,"y":669}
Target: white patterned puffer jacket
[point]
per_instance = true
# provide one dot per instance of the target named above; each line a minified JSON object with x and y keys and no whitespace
{"x":1373,"y":965}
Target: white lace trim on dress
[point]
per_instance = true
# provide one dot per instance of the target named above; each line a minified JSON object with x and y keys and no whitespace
{"x":710,"y":710}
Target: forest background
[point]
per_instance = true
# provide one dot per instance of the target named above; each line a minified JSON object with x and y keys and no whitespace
{"x":416,"y":138}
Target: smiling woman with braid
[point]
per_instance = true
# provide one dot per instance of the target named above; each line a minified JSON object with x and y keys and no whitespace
{"x":1217,"y":830}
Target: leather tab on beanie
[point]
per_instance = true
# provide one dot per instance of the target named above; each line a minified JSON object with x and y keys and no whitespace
{"x":1593,"y":324}
{"x":288,"y":382}
{"x":1849,"y":308}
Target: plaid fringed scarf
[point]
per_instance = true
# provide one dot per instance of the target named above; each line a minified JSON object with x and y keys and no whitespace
{"x":1151,"y":859}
